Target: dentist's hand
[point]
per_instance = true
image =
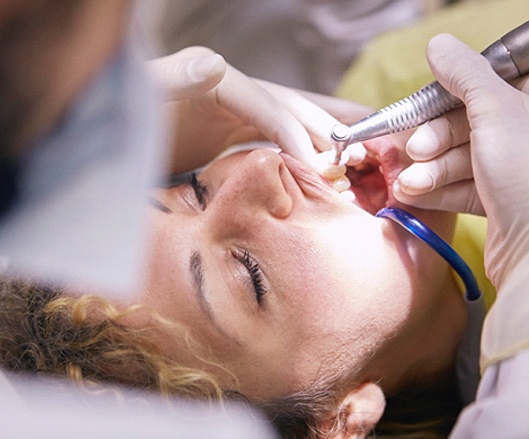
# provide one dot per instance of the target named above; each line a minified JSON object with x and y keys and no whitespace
{"x":480,"y":165}
{"x":212,"y":106}
{"x":441,"y":177}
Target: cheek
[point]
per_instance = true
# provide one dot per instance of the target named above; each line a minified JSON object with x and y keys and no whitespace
{"x":312,"y":288}
{"x":344,"y":280}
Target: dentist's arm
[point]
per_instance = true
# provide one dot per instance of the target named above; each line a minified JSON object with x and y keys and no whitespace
{"x":480,"y":164}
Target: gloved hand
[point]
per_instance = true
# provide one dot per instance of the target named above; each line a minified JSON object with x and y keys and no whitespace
{"x":478,"y":163}
{"x":212,"y":106}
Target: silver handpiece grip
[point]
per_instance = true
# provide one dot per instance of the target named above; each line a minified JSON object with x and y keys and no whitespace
{"x":423,"y":105}
{"x":517,"y":43}
{"x":509,"y":57}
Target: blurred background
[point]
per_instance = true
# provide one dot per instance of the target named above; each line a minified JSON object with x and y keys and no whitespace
{"x":306,"y":44}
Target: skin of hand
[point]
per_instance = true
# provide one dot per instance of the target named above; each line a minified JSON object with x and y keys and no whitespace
{"x":212,"y":106}
{"x":474,"y":160}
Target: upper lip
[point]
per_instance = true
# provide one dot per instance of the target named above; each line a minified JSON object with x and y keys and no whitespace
{"x":307,"y":179}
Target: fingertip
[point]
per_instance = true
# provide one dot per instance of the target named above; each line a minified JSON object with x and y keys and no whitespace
{"x":321,"y":160}
{"x":357,"y":153}
{"x":444,"y":49}
{"x":423,"y":143}
{"x":439,"y":43}
{"x":207,"y":69}
{"x":405,"y":198}
{"x":397,"y":192}
{"x":457,"y":66}
{"x":184,"y":77}
{"x":415,"y":180}
{"x":305,"y":155}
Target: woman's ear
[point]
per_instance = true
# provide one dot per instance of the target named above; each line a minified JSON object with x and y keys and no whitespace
{"x":358,"y":414}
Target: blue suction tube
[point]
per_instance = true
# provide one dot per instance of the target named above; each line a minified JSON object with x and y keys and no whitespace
{"x":418,"y":229}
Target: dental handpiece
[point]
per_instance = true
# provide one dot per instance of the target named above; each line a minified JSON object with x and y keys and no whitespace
{"x":509,"y":57}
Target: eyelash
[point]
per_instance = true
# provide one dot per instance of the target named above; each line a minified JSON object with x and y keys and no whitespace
{"x":255,"y":274}
{"x":200,"y":189}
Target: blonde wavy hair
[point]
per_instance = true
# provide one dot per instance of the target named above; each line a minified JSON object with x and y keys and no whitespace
{"x":48,"y":331}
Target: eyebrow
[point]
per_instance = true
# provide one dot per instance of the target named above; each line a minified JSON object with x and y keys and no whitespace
{"x":197,"y":274}
{"x":158,"y":205}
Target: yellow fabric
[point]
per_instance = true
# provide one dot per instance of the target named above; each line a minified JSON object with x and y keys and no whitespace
{"x":394,"y":65}
{"x":469,"y":242}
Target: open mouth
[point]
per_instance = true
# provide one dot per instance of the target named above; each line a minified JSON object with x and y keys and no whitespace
{"x":371,"y":181}
{"x":369,"y":186}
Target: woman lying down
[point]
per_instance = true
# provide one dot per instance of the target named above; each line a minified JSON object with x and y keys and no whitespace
{"x":264,"y":282}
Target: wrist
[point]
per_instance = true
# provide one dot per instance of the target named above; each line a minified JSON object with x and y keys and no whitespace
{"x":506,"y":331}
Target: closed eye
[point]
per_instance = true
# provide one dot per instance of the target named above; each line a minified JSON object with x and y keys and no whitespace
{"x":200,"y":189}
{"x":255,"y":272}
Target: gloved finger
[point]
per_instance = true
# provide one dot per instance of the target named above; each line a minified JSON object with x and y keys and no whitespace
{"x":357,"y":153}
{"x":460,"y":197}
{"x":316,"y":119}
{"x":422,"y":177}
{"x":254,"y":105}
{"x":468,"y":76}
{"x":439,"y":135}
{"x":182,"y":76}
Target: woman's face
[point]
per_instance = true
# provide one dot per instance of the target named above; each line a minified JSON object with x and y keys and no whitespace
{"x":282,"y":277}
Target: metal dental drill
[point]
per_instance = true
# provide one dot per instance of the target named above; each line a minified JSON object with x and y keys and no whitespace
{"x":509,"y":57}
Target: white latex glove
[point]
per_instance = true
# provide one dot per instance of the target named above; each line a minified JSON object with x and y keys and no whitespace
{"x":479,"y":166}
{"x":183,"y":76}
{"x":212,"y":106}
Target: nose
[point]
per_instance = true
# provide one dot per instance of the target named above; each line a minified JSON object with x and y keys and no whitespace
{"x":254,"y":190}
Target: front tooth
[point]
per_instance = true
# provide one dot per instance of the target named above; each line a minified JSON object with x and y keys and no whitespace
{"x":348,"y":196}
{"x":334,"y":172}
{"x":325,"y":167}
{"x":341,"y":184}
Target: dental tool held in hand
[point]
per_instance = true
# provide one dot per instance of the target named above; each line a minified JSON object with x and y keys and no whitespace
{"x":509,"y":57}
